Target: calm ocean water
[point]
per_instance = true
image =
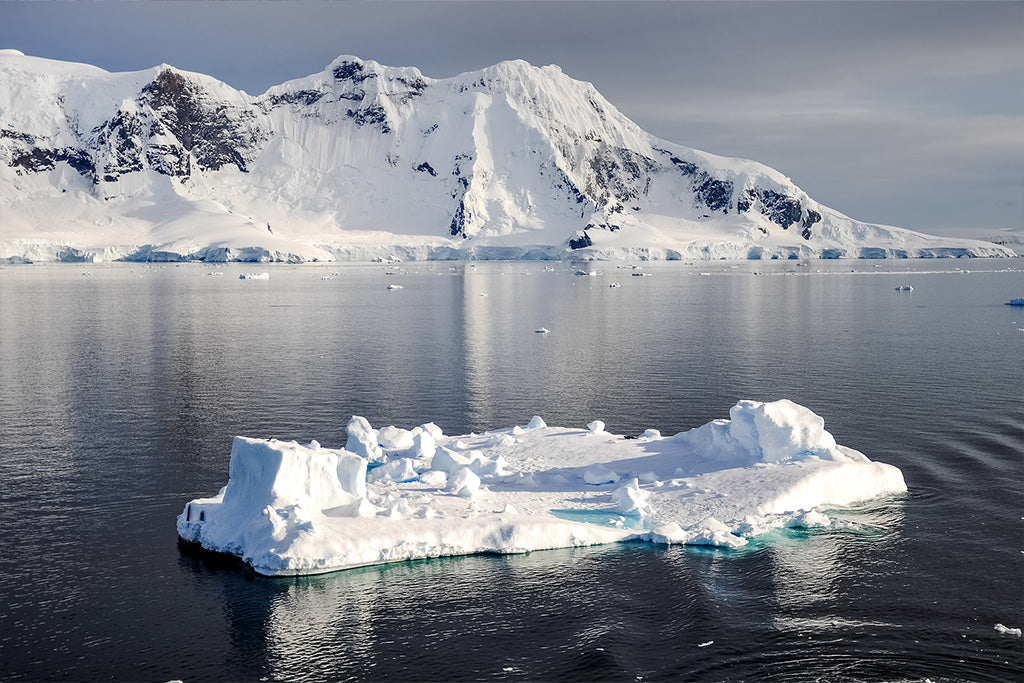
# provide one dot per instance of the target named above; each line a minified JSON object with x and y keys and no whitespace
{"x":121,"y":387}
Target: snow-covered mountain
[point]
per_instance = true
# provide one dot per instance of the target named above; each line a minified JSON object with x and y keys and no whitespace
{"x":366,"y":161}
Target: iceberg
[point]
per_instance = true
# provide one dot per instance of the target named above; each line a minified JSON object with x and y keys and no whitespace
{"x":394,"y":494}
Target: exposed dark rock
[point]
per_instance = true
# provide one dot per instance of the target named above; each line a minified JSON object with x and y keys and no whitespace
{"x":304,"y":97}
{"x":15,"y":135}
{"x":349,"y":70}
{"x":171,"y":160}
{"x":711,"y":192}
{"x":812,"y":218}
{"x":564,"y":183}
{"x":581,"y":241}
{"x":685,"y":166}
{"x":374,"y":114}
{"x":122,"y":147}
{"x":616,"y":174}
{"x":415,"y":86}
{"x":38,"y":159}
{"x":216,"y":135}
{"x":780,"y":209}
{"x":458,"y":225}
{"x":427,"y":168}
{"x":458,"y":172}
{"x":714,"y":194}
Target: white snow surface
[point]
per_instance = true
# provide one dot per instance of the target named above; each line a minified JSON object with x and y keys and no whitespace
{"x":290,"y":509}
{"x":363,"y":161}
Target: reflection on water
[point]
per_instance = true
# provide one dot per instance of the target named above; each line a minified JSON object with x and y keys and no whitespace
{"x":122,"y":390}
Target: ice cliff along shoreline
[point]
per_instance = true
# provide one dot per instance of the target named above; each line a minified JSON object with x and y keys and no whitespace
{"x":364,"y":161}
{"x":394,"y":494}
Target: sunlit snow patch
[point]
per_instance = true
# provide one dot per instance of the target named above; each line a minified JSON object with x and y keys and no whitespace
{"x":294,"y":509}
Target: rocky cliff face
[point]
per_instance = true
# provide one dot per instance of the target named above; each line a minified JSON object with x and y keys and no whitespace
{"x":362,"y":156}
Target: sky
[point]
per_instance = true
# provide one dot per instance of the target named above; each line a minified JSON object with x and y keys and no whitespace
{"x":901,"y":113}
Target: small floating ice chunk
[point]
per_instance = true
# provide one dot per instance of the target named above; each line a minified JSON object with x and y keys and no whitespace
{"x":393,"y":286}
{"x":542,"y":330}
{"x":1007,"y":631}
{"x":254,"y":276}
{"x":596,"y":427}
{"x":614,"y":284}
{"x":904,"y":288}
{"x":651,"y":434}
{"x":705,"y":644}
{"x":536,"y":422}
{"x":595,"y":475}
{"x":1019,"y":301}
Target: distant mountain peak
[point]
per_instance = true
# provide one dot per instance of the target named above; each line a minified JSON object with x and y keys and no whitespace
{"x":362,"y":160}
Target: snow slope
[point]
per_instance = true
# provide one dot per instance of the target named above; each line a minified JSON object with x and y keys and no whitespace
{"x":362,"y":161}
{"x":394,"y":494}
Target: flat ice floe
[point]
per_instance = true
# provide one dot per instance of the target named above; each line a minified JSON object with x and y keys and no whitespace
{"x":394,"y":494}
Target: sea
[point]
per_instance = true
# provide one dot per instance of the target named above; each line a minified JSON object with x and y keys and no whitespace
{"x":122,"y":386}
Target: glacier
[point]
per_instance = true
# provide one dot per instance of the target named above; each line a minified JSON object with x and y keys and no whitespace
{"x":363,"y":161}
{"x":393,"y":494}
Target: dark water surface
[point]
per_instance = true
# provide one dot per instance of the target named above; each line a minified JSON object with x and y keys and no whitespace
{"x":121,"y":387}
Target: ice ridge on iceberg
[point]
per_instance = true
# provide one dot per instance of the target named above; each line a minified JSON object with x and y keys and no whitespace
{"x":394,"y":494}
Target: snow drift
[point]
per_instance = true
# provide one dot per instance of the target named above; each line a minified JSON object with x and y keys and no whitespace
{"x":395,"y":494}
{"x":364,"y":161}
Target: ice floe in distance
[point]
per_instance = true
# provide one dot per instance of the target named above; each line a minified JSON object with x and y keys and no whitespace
{"x":1007,"y":631}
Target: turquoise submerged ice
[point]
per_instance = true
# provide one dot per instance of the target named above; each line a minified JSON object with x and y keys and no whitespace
{"x":395,"y":494}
